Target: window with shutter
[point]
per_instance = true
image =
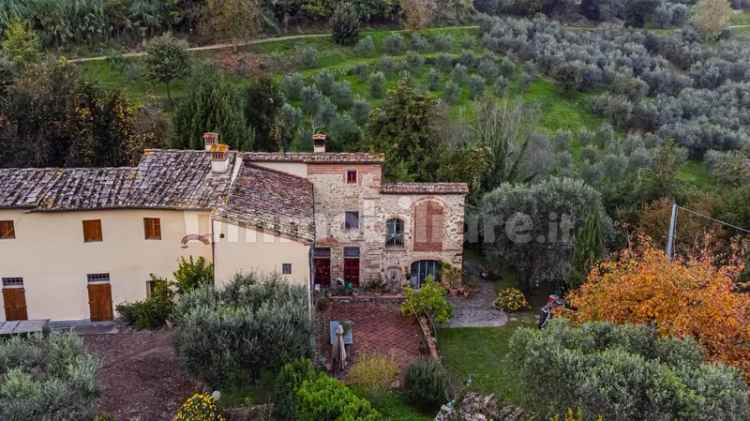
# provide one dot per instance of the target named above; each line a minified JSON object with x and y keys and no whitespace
{"x":7,"y":230}
{"x":152,"y":228}
{"x":92,"y":230}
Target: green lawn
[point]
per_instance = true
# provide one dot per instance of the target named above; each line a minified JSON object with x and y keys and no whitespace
{"x":395,"y":407}
{"x":742,"y":18}
{"x":480,"y":354}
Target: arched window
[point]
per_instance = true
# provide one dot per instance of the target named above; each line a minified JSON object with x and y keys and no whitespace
{"x":423,"y":269}
{"x":394,"y":237}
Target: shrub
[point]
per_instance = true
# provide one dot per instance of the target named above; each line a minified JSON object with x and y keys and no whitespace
{"x":377,"y":85}
{"x":619,"y":371}
{"x":345,"y":22}
{"x":365,"y":47}
{"x":47,"y":378}
{"x":476,"y":86}
{"x":292,"y":85}
{"x":345,"y":133}
{"x":419,"y":43}
{"x":388,"y":65}
{"x":487,"y":67}
{"x":428,"y":301}
{"x":511,"y":300}
{"x":151,"y":313}
{"x":311,"y":98}
{"x":445,"y":61}
{"x":361,"y":71}
{"x":361,"y":112}
{"x":373,"y":375}
{"x":342,"y":95}
{"x":324,"y":81}
{"x":199,"y":407}
{"x":501,"y":86}
{"x":506,"y":67}
{"x":427,"y":384}
{"x":309,"y":57}
{"x":326,"y":112}
{"x":228,"y":336}
{"x":433,"y":80}
{"x":20,"y":43}
{"x":443,"y":42}
{"x":290,"y":378}
{"x":452,"y":93}
{"x":192,"y":274}
{"x":393,"y":44}
{"x":460,"y":74}
{"x":325,"y":398}
{"x":415,"y":60}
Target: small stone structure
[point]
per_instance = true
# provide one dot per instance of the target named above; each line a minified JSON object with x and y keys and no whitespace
{"x":476,"y":407}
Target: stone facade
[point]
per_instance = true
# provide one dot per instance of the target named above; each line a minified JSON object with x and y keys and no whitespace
{"x":337,"y":192}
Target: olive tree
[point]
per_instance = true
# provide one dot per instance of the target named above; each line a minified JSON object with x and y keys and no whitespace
{"x":167,"y":60}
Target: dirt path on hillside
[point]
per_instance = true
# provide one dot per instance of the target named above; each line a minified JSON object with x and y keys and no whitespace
{"x":224,"y":46}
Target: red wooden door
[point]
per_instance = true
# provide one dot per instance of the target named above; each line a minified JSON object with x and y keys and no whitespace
{"x":323,"y":271}
{"x":100,"y":302}
{"x":14,"y":300}
{"x":351,"y":271}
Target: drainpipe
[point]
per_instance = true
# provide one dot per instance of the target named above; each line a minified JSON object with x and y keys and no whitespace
{"x":311,"y":263}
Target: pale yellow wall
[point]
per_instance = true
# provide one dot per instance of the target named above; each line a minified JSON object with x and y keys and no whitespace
{"x":294,"y":168}
{"x":49,"y":253}
{"x":246,"y":250}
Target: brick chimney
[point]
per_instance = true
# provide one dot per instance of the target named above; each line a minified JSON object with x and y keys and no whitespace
{"x":210,"y":139}
{"x":319,"y":142}
{"x":219,"y":158}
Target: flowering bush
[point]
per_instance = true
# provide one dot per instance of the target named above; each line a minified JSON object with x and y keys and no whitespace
{"x":428,"y":301}
{"x":199,"y":407}
{"x":373,"y":374}
{"x":511,"y":300}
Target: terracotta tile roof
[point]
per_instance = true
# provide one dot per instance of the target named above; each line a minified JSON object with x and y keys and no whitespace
{"x":424,"y":188}
{"x":163,"y":180}
{"x":180,"y":180}
{"x":316,"y":158}
{"x":272,"y":201}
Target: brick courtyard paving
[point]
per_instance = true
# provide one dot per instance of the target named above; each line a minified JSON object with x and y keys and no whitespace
{"x":377,"y":328}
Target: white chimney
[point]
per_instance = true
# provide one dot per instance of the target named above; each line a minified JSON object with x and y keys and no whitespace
{"x":319,"y":142}
{"x":219,"y":158}
{"x":210,"y":139}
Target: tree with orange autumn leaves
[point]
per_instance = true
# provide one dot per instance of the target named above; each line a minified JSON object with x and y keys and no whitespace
{"x":678,"y":298}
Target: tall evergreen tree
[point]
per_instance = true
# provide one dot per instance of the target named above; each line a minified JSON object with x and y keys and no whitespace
{"x":212,"y":105}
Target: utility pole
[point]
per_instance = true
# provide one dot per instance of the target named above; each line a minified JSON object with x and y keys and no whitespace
{"x":671,"y":233}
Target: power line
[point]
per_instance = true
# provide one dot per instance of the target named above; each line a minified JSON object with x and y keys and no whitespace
{"x":718,"y":221}
{"x":672,"y":234}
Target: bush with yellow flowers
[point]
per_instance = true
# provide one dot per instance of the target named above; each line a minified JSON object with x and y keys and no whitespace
{"x":199,"y":407}
{"x":511,"y":300}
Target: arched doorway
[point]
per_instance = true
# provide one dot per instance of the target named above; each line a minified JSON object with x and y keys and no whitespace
{"x":422,"y":269}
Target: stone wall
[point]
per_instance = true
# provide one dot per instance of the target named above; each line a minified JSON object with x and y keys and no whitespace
{"x":334,"y":196}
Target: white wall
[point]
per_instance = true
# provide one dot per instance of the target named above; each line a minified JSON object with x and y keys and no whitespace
{"x":245,"y":250}
{"x":294,"y":168}
{"x":49,"y":253}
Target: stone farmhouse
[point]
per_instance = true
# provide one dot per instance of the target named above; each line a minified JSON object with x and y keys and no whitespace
{"x":76,"y":242}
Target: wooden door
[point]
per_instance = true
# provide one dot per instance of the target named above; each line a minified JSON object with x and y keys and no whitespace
{"x":14,"y":300}
{"x":323,"y":271}
{"x":100,"y":302}
{"x":351,"y":271}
